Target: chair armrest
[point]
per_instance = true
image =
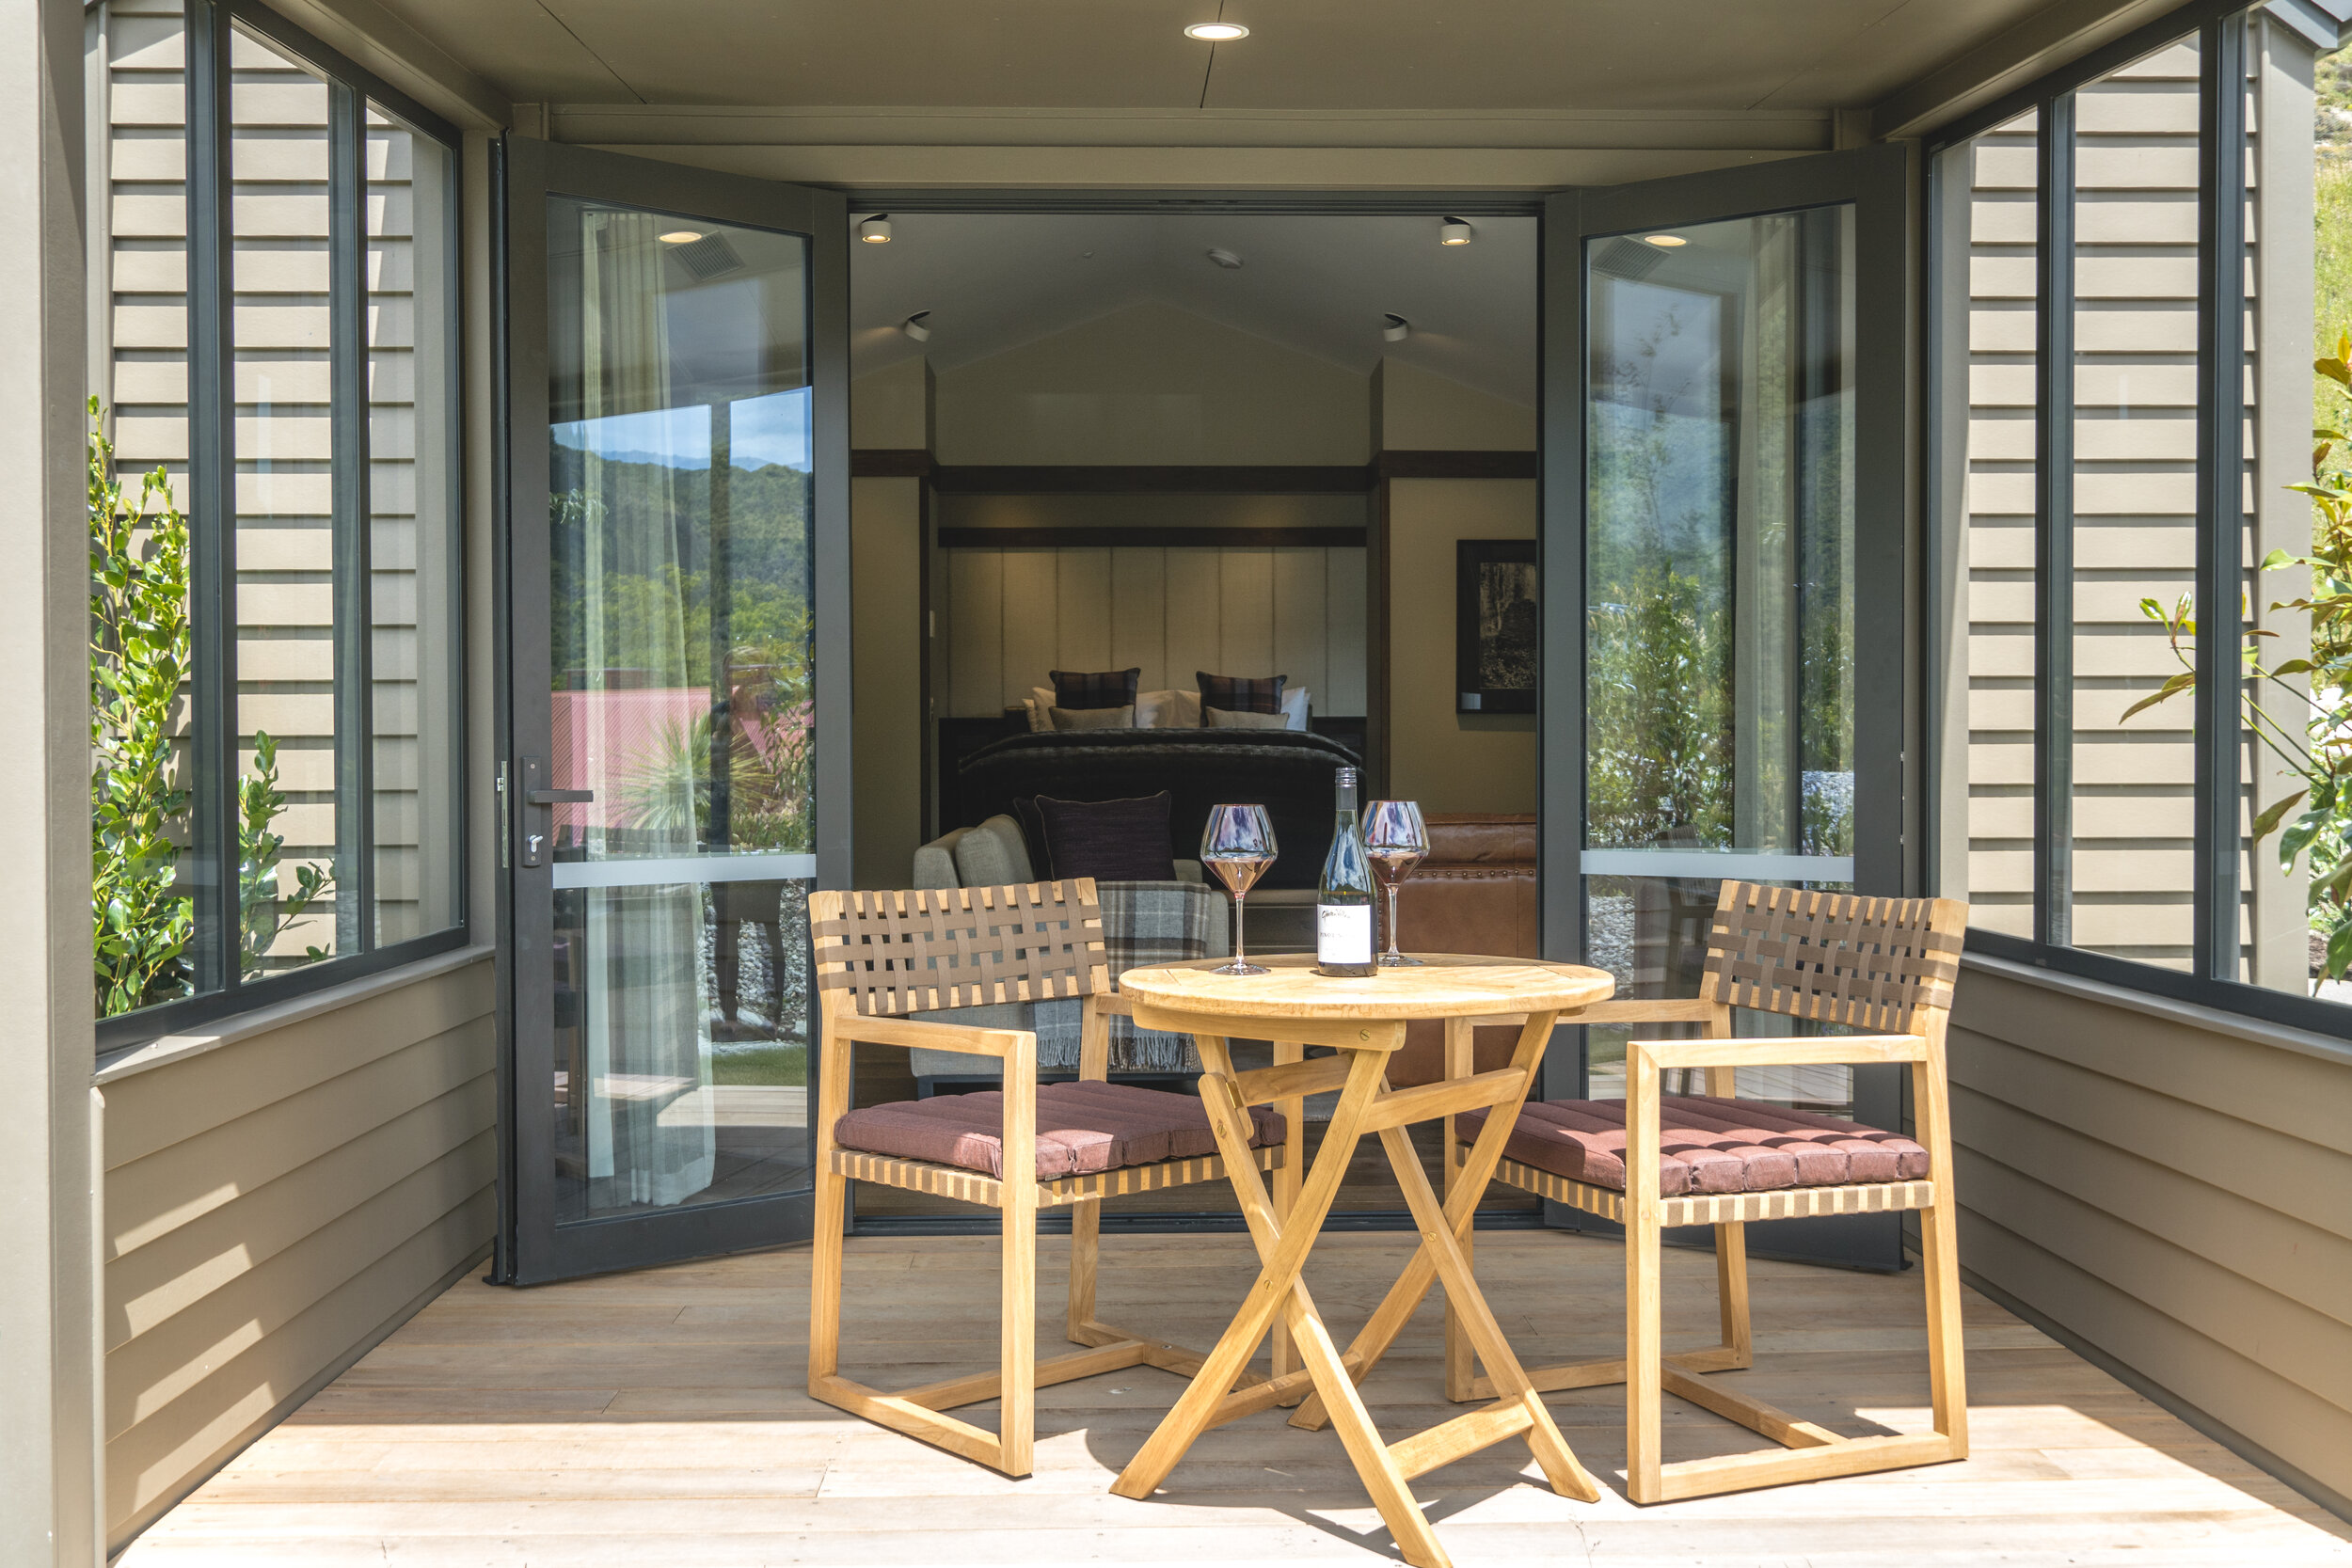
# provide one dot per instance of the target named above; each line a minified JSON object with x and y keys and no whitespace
{"x":1679,"y":1009}
{"x":913,"y":1032}
{"x":1785,"y":1051}
{"x":1111,"y":1002}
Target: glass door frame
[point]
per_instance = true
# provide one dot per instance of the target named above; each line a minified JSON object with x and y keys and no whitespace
{"x":532,"y":1247}
{"x":1880,"y":184}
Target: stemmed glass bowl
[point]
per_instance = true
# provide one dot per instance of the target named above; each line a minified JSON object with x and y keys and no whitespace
{"x":1395,"y":840}
{"x":1238,"y":844}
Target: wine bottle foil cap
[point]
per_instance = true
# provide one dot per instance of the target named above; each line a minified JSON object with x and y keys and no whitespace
{"x":1347,"y":775}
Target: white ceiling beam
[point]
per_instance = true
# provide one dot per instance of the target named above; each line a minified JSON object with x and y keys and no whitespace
{"x":372,"y":36}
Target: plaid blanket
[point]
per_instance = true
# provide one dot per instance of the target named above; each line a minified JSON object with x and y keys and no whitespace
{"x":1143,"y":923}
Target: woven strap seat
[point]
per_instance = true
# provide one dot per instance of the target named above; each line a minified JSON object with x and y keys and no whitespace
{"x":1708,"y":1144}
{"x":1082,"y":1128}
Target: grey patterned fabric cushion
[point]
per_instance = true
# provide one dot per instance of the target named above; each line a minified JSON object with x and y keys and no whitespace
{"x":993,"y":855}
{"x":1707,"y":1144}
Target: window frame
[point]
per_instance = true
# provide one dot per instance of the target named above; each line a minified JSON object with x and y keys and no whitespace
{"x":220,"y":989}
{"x":2220,"y":28}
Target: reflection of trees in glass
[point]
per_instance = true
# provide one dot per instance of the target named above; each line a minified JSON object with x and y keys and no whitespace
{"x":762,"y":787}
{"x":1719,"y":553}
{"x":1658,"y":715}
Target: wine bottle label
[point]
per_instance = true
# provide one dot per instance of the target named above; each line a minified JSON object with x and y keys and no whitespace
{"x":1344,"y":933}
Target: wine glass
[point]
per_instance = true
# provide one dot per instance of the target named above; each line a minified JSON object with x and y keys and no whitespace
{"x":1238,"y":842}
{"x":1395,"y":840}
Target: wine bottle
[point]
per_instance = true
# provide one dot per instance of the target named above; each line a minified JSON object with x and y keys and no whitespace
{"x":1343,"y":899}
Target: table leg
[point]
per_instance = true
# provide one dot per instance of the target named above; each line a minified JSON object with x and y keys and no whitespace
{"x":1451,"y":1262}
{"x":1404,"y":1297}
{"x":1285,"y":1355}
{"x":1277,"y":1286}
{"x":1287,"y":1245}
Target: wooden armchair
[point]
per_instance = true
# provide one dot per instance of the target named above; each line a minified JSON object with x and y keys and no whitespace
{"x":883,"y":954}
{"x":1651,"y":1161}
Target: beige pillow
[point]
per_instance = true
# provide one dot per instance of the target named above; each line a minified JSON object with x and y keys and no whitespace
{"x":1224,"y":718}
{"x":1096,"y":717}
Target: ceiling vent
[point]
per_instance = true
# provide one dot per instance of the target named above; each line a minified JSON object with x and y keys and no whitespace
{"x":709,"y":257}
{"x":1620,"y":258}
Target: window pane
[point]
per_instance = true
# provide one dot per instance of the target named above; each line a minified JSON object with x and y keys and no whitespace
{"x":2135,"y":417}
{"x":138,"y":259}
{"x":412,"y":453}
{"x":285,"y":593}
{"x":1986,"y":325}
{"x":1720,"y":547}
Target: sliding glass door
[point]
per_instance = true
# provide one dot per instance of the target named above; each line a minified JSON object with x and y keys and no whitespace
{"x":679,"y":468}
{"x":1736,"y":507}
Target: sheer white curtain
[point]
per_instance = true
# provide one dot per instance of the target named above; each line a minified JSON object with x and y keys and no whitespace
{"x":651,"y":1138}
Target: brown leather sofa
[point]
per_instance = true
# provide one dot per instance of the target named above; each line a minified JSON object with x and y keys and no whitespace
{"x":1474,"y":894}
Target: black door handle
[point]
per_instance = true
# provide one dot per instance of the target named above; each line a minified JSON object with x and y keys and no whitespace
{"x":560,"y":797}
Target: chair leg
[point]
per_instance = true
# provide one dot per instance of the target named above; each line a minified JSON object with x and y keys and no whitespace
{"x":1731,"y":1294}
{"x":1939,"y":1256}
{"x":824,"y":1285}
{"x":1086,"y":1236}
{"x":1643,"y":1390}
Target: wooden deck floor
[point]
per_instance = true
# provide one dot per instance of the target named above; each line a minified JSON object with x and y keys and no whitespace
{"x":657,"y":1418}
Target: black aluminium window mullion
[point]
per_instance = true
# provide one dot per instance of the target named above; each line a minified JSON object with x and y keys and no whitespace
{"x":2220,"y":487}
{"x":212,"y":503}
{"x":2054,"y":525}
{"x":348,"y":355}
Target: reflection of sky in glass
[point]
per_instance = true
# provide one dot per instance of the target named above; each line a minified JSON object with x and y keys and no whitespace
{"x":764,"y":432}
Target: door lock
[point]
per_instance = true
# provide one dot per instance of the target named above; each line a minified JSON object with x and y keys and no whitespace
{"x":535,"y":794}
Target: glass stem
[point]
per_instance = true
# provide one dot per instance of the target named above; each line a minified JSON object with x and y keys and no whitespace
{"x":1392,"y":952}
{"x":1241,"y":954}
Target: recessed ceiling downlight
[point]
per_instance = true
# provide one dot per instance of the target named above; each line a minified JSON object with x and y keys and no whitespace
{"x":1216,"y":32}
{"x":875,"y":230}
{"x":916,"y":326}
{"x":1395,"y":328}
{"x":1665,"y":242}
{"x":681,"y":236}
{"x":1454,"y":232}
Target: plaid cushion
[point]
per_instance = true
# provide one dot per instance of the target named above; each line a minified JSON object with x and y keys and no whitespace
{"x":1238,"y":694}
{"x":1075,"y":689}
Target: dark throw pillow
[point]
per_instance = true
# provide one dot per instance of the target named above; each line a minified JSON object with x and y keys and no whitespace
{"x":1111,"y":841}
{"x":1033,"y":837}
{"x":1075,"y":689}
{"x":1237,"y":694}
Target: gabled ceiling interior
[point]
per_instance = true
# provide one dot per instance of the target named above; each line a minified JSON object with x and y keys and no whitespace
{"x":1463,"y":55}
{"x":1320,"y":285}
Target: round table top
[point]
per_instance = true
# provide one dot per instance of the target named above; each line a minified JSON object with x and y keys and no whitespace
{"x":1446,"y":985}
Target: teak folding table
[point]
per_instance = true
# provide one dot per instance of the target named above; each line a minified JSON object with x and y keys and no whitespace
{"x":1364,"y":1020}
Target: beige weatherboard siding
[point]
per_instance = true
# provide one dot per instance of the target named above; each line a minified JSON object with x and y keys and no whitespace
{"x":2135,"y":380}
{"x":277,"y":1202}
{"x":284,"y":582}
{"x":2172,"y":1188}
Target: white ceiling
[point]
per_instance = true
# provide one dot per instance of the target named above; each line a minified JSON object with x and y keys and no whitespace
{"x":1319,"y":285}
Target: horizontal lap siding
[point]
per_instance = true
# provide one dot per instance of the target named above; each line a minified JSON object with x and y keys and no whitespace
{"x":275,"y":1203}
{"x":2179,"y":1198}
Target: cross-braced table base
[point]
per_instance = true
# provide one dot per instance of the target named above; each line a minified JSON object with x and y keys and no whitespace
{"x":1366,"y":1106}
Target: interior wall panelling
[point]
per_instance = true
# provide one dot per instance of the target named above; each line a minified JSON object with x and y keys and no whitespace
{"x":1014,"y":615}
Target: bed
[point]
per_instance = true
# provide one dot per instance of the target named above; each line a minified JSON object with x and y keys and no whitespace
{"x":1287,"y":771}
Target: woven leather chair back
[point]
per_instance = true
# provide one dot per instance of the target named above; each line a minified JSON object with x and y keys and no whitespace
{"x":1870,"y":964}
{"x":929,"y":949}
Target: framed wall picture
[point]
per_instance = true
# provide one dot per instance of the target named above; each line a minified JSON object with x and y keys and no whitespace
{"x":1494,"y":626}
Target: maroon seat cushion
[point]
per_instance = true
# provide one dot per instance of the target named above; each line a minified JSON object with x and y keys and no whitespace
{"x":1081,"y":1128}
{"x":1708,"y":1144}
